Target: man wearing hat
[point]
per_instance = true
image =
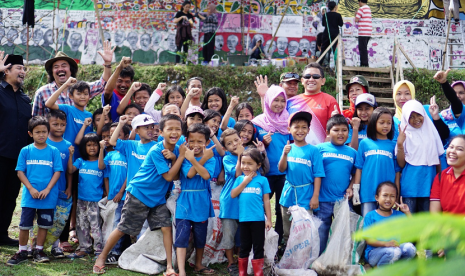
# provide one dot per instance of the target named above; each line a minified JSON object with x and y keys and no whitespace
{"x":59,"y":69}
{"x":15,"y":112}
{"x":290,"y":82}
{"x":356,"y":86}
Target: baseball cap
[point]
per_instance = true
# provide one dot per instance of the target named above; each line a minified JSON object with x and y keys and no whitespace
{"x":142,"y":120}
{"x":366,"y":98}
{"x":288,"y":76}
{"x":360,"y":80}
{"x":194,"y":109}
{"x":300,"y":115}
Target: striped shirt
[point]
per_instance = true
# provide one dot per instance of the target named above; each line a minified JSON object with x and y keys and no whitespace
{"x":364,"y":23}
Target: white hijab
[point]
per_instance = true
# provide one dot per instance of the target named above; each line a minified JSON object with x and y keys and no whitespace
{"x":422,"y":146}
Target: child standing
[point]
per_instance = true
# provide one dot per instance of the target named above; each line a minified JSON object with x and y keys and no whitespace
{"x":418,"y":150}
{"x":364,"y":106}
{"x":90,"y":192}
{"x":215,"y":99}
{"x":338,"y":162}
{"x":303,"y":166}
{"x":380,"y":253}
{"x":375,"y":161}
{"x":194,"y":206}
{"x":39,"y":167}
{"x":254,"y":201}
{"x":363,"y":19}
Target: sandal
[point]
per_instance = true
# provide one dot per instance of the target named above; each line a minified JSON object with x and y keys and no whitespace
{"x":98,"y":269}
{"x":233,"y":270}
{"x":78,"y":255}
{"x":205,"y":271}
{"x":66,"y":247}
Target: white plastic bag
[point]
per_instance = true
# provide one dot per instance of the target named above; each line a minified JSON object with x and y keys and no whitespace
{"x":107,"y":212}
{"x":295,"y":272}
{"x":341,"y":257}
{"x":270,"y":248}
{"x":303,"y":245}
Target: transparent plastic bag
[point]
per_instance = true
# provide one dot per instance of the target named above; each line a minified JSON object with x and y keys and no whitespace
{"x":107,"y":213}
{"x":303,"y":244}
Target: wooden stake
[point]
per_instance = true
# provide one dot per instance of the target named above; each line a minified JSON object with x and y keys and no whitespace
{"x":27,"y":44}
{"x":100,"y":30}
{"x":444,"y":55}
{"x":279,"y":25}
{"x":329,"y":48}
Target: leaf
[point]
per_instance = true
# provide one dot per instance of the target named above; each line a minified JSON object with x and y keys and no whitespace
{"x":270,"y":10}
{"x":235,"y":6}
{"x":421,"y":267}
{"x":219,"y":8}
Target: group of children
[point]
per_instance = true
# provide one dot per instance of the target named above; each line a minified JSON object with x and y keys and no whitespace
{"x":190,"y":145}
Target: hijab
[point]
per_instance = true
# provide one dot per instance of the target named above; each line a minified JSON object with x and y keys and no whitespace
{"x":411,"y":87}
{"x":269,"y":120}
{"x":422,"y":146}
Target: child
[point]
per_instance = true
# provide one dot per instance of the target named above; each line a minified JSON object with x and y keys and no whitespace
{"x":302,"y":164}
{"x":98,"y":114}
{"x":338,"y":163}
{"x":131,"y":111}
{"x":140,"y":94}
{"x":227,"y":121}
{"x":194,"y":92}
{"x":363,"y":19}
{"x":212,"y":121}
{"x":375,"y":161}
{"x":244,"y":112}
{"x":90,"y":192}
{"x":175,"y":95}
{"x":254,"y":200}
{"x":194,"y":207}
{"x":364,"y":106}
{"x":380,"y":253}
{"x":229,"y":207}
{"x":215,"y":99}
{"x":418,"y":150}
{"x":272,"y":127}
{"x":146,"y":201}
{"x":171,"y":108}
{"x":194,"y":115}
{"x":248,"y":133}
{"x":39,"y":167}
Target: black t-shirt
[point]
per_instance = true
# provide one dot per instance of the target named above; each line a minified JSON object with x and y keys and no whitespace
{"x":184,"y":22}
{"x":334,"y":22}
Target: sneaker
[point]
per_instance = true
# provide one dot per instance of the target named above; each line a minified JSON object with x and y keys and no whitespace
{"x":57,"y":253}
{"x":40,"y":256}
{"x":19,"y":257}
{"x":111,"y":259}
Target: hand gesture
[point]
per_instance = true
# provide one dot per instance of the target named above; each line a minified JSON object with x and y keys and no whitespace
{"x":71,"y":81}
{"x":3,"y":67}
{"x":403,"y":207}
{"x":259,"y":145}
{"x":71,"y":150}
{"x":107,"y":54}
{"x":212,"y":133}
{"x":117,"y":198}
{"x":257,"y":44}
{"x":106,"y":109}
{"x":194,"y":92}
{"x":234,"y":101}
{"x":44,"y":193}
{"x":135,"y":86}
{"x":267,"y":138}
{"x":182,"y":149}
{"x":349,"y":193}
{"x":402,"y":136}
{"x":123,"y":120}
{"x":314,"y":203}
{"x":335,"y":111}
{"x":168,"y":154}
{"x":262,"y":85}
{"x":161,"y":86}
{"x":434,"y":108}
{"x":287,"y":148}
{"x":355,"y":123}
{"x":102,"y":144}
{"x":125,"y":62}
{"x":249,"y":177}
{"x":441,"y":76}
{"x":88,"y":121}
{"x":240,"y":149}
{"x":392,"y":243}
{"x":189,"y":154}
{"x":34,"y":193}
{"x":208,"y":153}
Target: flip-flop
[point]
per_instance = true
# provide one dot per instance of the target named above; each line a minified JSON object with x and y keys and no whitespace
{"x":98,"y":269}
{"x":205,"y":271}
{"x":76,"y":256}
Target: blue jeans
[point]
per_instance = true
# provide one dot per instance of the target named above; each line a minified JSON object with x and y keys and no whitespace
{"x":368,"y":207}
{"x":417,"y":204}
{"x":388,"y":255}
{"x":117,"y":249}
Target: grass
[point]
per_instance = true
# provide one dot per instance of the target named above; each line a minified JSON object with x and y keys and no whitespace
{"x":66,"y":266}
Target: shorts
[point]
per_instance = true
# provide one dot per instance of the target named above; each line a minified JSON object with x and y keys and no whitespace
{"x":44,"y":218}
{"x":183,"y":232}
{"x":229,"y":227}
{"x":134,"y":214}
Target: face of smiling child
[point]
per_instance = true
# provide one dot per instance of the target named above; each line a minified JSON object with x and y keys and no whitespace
{"x":246,"y":134}
{"x":215,"y":102}
{"x":196,"y":142}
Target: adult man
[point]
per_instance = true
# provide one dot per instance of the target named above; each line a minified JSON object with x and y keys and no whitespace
{"x":314,"y":101}
{"x":282,"y":45}
{"x":121,"y":50}
{"x":210,"y":24}
{"x":290,"y":82}
{"x":293,"y":48}
{"x":59,"y":69}
{"x":15,"y":112}
{"x":144,"y":54}
{"x":75,"y":41}
{"x":35,"y":51}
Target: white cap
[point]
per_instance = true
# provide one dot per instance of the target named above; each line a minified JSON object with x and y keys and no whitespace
{"x":142,"y":120}
{"x":366,"y":98}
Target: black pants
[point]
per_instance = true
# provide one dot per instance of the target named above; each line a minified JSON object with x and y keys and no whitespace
{"x":252,"y":233}
{"x":209,"y":49}
{"x":363,"y":49}
{"x":276,"y":185}
{"x":325,"y":46}
{"x":184,"y":48}
{"x":9,"y":190}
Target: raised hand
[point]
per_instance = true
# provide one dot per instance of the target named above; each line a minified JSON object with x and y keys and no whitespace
{"x":355,"y":123}
{"x":287,"y":148}
{"x":402,"y":136}
{"x":102,"y":144}
{"x":434,"y":108}
{"x":106,"y":109}
{"x":234,"y":101}
{"x":262,"y":85}
{"x":335,"y":111}
{"x":240,"y":149}
{"x":403,"y":207}
{"x":135,"y":86}
{"x":194,"y":92}
{"x":441,"y":76}
{"x":71,"y":81}
{"x":123,"y":120}
{"x":161,"y":86}
{"x":71,"y":150}
{"x":259,"y":145}
{"x":267,"y":138}
{"x":88,"y":121}
{"x":125,"y":62}
{"x":3,"y":67}
{"x":208,"y":153}
{"x":107,"y":54}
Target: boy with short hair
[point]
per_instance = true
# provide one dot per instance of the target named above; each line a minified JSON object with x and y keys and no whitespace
{"x":363,"y":19}
{"x":338,"y":162}
{"x":145,"y":198}
{"x":39,"y":167}
{"x":304,"y":169}
{"x":194,"y":207}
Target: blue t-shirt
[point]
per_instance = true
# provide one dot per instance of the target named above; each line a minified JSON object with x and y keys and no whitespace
{"x":416,"y":181}
{"x":362,"y":134}
{"x":274,"y":149}
{"x":229,"y":207}
{"x":338,"y":162}
{"x":378,"y":163}
{"x":114,"y":103}
{"x":135,"y":153}
{"x":251,"y":198}
{"x":39,"y":165}
{"x":63,"y":147}
{"x":90,"y":187}
{"x":74,"y":120}
{"x":303,"y":165}
{"x":456,"y":127}
{"x":218,"y":160}
{"x":181,"y":140}
{"x":373,"y":217}
{"x":116,"y":171}
{"x":148,"y":184}
{"x":396,"y":128}
{"x":231,"y":122}
{"x":194,"y":203}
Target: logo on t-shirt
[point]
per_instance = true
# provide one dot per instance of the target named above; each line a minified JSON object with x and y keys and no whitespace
{"x":40,"y":162}
{"x":339,"y":156}
{"x":63,"y":155}
{"x":138,"y":156}
{"x":76,"y":120}
{"x":118,"y":163}
{"x":91,"y":172}
{"x":252,"y":190}
{"x":379,"y":152}
{"x":299,"y":160}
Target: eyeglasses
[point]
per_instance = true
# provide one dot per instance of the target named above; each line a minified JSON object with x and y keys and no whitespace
{"x":291,"y":76}
{"x":314,"y":76}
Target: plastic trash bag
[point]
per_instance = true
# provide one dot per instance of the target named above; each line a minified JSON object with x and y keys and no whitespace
{"x":303,"y":245}
{"x":342,"y":253}
{"x":295,"y":272}
{"x":270,"y":248}
{"x":107,"y":213}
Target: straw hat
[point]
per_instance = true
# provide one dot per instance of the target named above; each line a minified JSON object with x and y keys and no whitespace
{"x":60,"y":56}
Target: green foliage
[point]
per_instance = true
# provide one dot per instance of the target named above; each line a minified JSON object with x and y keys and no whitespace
{"x":428,"y":231}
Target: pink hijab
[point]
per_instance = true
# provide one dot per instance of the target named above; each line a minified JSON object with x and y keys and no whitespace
{"x":269,"y":120}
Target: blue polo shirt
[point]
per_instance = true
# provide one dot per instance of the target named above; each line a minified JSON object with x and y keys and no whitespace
{"x":274,"y":149}
{"x":116,"y":171}
{"x":135,"y":153}
{"x":63,"y":147}
{"x":90,"y":180}
{"x":229,"y":207}
{"x":251,"y":198}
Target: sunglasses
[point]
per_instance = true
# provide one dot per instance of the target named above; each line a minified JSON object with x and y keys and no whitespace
{"x":291,"y":76}
{"x":314,"y":76}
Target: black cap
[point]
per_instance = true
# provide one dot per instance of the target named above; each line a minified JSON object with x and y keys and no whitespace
{"x":300,"y":115}
{"x":14,"y":59}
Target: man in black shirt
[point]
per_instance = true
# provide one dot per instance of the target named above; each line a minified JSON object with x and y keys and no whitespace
{"x":15,"y":112}
{"x":331,"y":21}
